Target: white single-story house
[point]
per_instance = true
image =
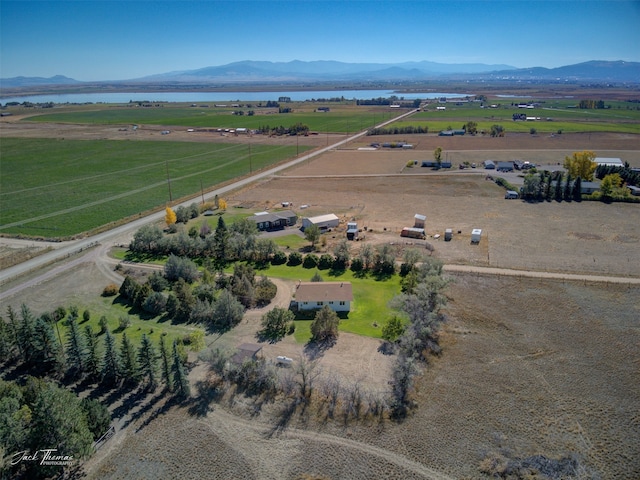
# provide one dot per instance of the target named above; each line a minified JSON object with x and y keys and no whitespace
{"x":314,"y":295}
{"x":274,"y":220}
{"x":608,"y":162}
{"x":322,"y":221}
{"x":489,"y":164}
{"x":587,"y":188}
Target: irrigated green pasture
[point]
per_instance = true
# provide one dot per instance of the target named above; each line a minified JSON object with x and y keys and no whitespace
{"x":551,"y":116}
{"x":340,"y":118}
{"x":59,"y":188}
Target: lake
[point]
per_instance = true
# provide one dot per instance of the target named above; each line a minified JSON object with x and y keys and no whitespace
{"x":197,"y":97}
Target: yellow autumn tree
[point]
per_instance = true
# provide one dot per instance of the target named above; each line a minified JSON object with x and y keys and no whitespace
{"x":222,"y":204}
{"x":581,"y":164}
{"x":170,"y":217}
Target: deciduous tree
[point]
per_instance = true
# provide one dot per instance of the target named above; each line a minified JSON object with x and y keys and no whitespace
{"x":312,"y":234}
{"x":581,"y":164}
{"x":170,"y":217}
{"x":324,"y":328}
{"x":275,"y":323}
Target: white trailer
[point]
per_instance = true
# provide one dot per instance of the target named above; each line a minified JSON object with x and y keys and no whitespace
{"x":476,"y":233}
{"x":413,"y":232}
{"x":284,"y":361}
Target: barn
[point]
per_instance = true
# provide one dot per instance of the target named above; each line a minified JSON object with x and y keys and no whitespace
{"x":608,"y":162}
{"x":323,"y":222}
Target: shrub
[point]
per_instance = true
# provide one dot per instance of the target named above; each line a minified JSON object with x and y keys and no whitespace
{"x":104,"y":324}
{"x":265,"y":291}
{"x":326,"y":261}
{"x":357,"y":265}
{"x":310,"y":261}
{"x":279,"y":258}
{"x":110,"y":290}
{"x":124,"y":322}
{"x":178,"y":267}
{"x":295,"y":258}
{"x":155,"y":303}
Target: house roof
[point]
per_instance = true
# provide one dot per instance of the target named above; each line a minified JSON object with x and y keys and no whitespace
{"x":273,"y":216}
{"x":324,"y":292}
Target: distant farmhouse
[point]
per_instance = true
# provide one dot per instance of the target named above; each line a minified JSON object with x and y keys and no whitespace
{"x":314,"y":295}
{"x":608,"y":162}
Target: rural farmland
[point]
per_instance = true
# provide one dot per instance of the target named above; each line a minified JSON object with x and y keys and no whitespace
{"x":531,"y":368}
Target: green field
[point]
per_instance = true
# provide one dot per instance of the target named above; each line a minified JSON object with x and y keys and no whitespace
{"x":623,"y":117}
{"x":341,"y":118}
{"x":59,"y":188}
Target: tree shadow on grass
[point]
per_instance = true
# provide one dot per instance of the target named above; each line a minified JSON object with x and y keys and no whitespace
{"x":284,"y":418}
{"x":208,"y":393}
{"x":315,"y":350}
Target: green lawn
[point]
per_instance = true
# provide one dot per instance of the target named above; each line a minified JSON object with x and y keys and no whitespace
{"x":154,"y":327}
{"x":59,"y":188}
{"x":292,"y":241}
{"x":369,"y":310}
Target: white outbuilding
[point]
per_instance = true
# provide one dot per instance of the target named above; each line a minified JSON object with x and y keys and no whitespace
{"x":323,"y":222}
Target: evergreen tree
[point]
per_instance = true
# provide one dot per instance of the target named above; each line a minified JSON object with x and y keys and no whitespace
{"x":568,"y":189}
{"x":147,"y":361}
{"x":164,"y":360}
{"x":128,"y":360}
{"x":111,"y":363}
{"x":92,"y":359}
{"x":26,"y":334}
{"x":48,"y":349}
{"x":548,"y":191}
{"x":220,"y":245}
{"x":558,"y":189}
{"x":180,"y":381}
{"x":577,"y":189}
{"x":75,"y":346}
{"x":6,"y":342}
{"x":12,"y":331}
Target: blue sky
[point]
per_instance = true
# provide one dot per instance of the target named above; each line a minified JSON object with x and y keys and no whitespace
{"x":97,"y":40}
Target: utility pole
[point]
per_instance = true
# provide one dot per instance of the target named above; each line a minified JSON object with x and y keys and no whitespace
{"x":166,"y":164}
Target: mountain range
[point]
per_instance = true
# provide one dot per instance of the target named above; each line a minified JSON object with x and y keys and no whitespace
{"x":256,"y":72}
